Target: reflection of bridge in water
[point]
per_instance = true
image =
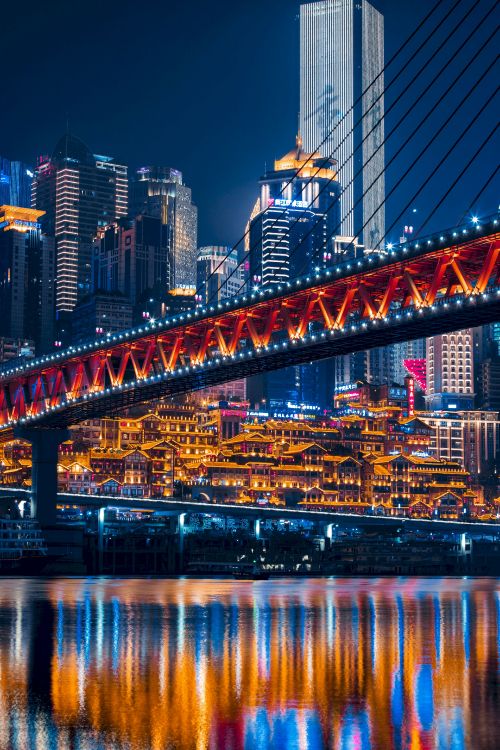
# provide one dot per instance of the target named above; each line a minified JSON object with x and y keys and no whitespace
{"x":188,"y":664}
{"x":443,"y":283}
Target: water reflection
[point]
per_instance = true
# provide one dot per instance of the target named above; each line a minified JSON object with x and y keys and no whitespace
{"x":340,"y":664}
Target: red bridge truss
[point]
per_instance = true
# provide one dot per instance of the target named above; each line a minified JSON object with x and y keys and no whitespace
{"x":435,"y":285}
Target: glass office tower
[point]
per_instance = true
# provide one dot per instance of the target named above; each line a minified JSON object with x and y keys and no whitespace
{"x":341,"y":62}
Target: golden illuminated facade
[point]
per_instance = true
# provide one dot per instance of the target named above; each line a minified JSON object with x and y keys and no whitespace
{"x":19,"y":219}
{"x":27,"y":278}
{"x":378,"y":462}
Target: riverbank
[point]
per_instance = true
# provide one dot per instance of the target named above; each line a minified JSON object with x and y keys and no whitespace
{"x":279,"y":554}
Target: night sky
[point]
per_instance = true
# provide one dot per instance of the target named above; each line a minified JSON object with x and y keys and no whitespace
{"x":212,"y":88}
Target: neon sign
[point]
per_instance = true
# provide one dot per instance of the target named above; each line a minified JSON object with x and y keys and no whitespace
{"x":345,"y":388}
{"x":285,"y":203}
{"x":411,"y":398}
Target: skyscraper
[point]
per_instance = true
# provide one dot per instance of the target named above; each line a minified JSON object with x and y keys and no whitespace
{"x":218,"y":274}
{"x":15,"y":183}
{"x":133,"y":257}
{"x":161,"y":192}
{"x":78,"y":191}
{"x":27,"y":276}
{"x":450,"y":370}
{"x":292,"y":234}
{"x":341,"y":62}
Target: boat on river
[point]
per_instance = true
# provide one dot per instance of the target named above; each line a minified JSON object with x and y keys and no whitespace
{"x":22,"y":547}
{"x":250,"y":572}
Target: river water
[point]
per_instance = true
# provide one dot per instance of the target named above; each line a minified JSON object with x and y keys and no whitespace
{"x":346,"y":664}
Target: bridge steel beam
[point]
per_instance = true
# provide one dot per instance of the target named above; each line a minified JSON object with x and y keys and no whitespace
{"x":445,"y":283}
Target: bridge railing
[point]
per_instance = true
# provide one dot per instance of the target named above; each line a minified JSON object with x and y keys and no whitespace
{"x":297,"y":321}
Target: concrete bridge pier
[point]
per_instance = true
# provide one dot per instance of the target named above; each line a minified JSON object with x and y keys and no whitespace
{"x":45,"y":444}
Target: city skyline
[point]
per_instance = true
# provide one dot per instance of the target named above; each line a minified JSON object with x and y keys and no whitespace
{"x":250,"y":375}
{"x":165,"y":135}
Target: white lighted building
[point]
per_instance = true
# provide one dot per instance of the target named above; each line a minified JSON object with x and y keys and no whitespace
{"x":78,"y":192}
{"x":470,"y":437}
{"x":450,"y":371}
{"x":161,"y":192}
{"x":341,"y":62}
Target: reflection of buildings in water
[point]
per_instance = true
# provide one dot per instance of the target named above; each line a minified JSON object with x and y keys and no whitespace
{"x":194,"y":664}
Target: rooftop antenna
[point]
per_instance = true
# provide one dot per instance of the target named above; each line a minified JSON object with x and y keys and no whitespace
{"x":67,"y":133}
{"x":298,"y":140}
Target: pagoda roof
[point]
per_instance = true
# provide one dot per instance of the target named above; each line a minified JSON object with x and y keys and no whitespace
{"x":246,"y":438}
{"x":301,"y":447}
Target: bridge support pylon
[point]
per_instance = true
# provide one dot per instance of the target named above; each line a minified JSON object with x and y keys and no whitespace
{"x":45,"y":444}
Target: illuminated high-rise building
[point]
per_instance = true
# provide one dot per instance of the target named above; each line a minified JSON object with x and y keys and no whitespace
{"x":27,"y":276}
{"x":161,"y":192}
{"x":341,"y":83}
{"x":78,"y":191}
{"x":133,"y":257}
{"x":294,"y":234}
{"x":450,"y":371}
{"x":218,"y":274}
{"x":291,"y":235}
{"x":15,"y":183}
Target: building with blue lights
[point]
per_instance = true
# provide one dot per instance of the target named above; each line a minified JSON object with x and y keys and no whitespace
{"x":15,"y":183}
{"x":27,"y":278}
{"x":294,"y":231}
{"x":294,"y":234}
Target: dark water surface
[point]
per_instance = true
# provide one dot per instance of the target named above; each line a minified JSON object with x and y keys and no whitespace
{"x":345,"y":664}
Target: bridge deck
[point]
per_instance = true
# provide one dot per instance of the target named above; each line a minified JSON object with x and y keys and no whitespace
{"x":175,"y":507}
{"x":444,"y":283}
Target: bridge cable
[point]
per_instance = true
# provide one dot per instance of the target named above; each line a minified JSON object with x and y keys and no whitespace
{"x":407,"y":140}
{"x":418,"y":157}
{"x":358,"y":100}
{"x":445,"y":157}
{"x":429,"y":113}
{"x":333,"y":178}
{"x":478,"y":195}
{"x":460,"y":176}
